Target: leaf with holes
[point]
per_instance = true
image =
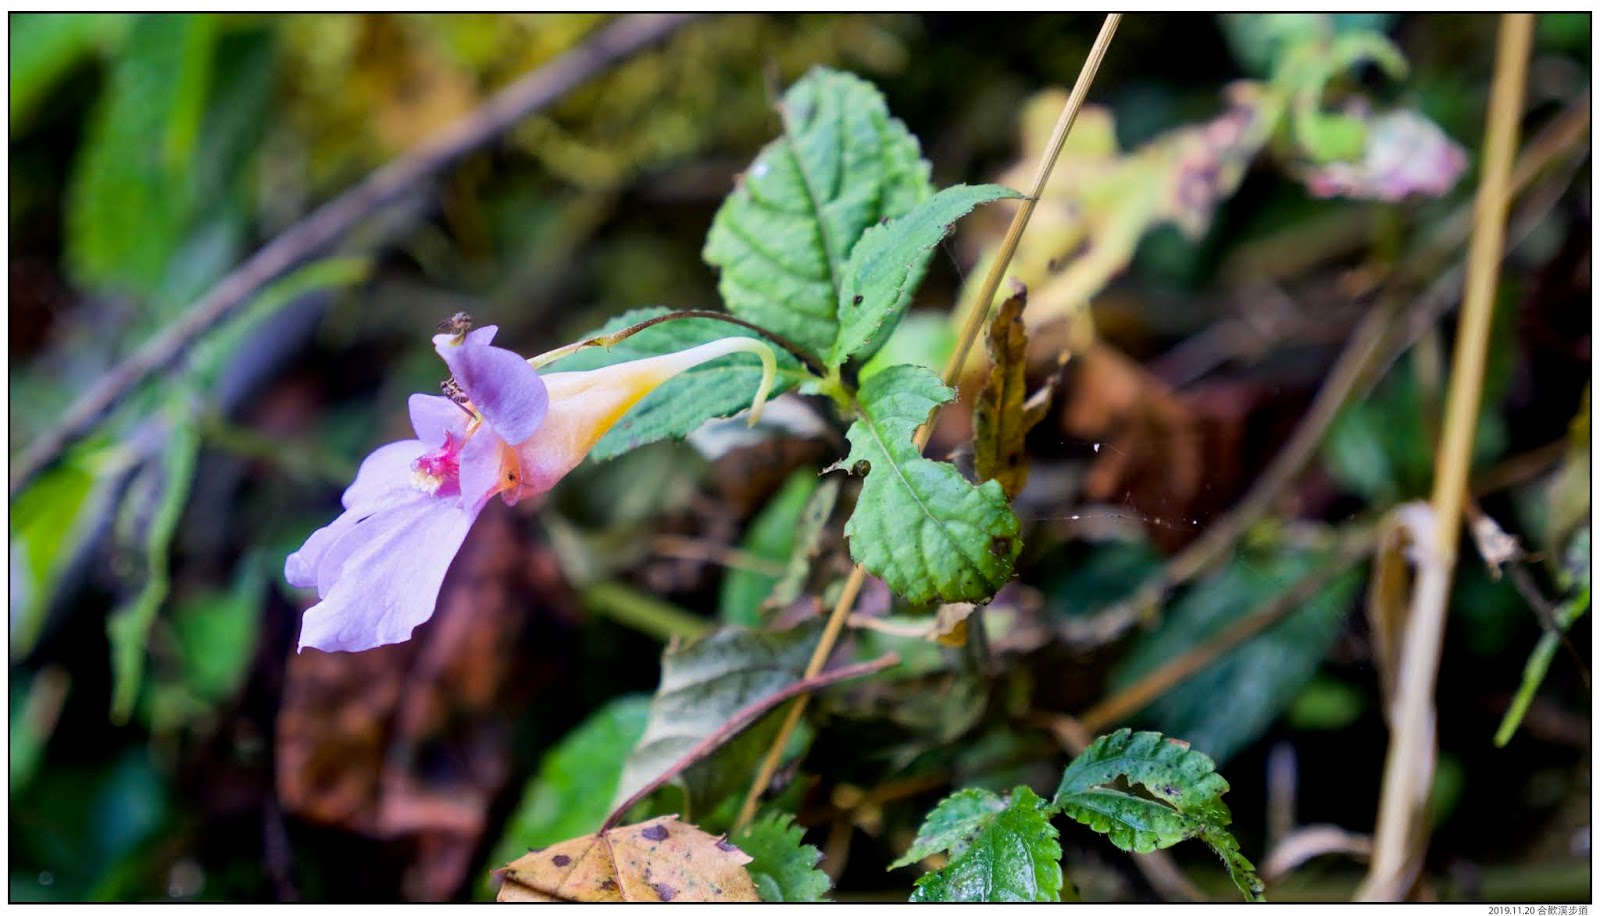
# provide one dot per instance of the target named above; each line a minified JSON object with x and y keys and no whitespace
{"x":918,"y":524}
{"x":719,"y":388}
{"x":703,"y":684}
{"x":658,"y":860}
{"x":1181,"y":798}
{"x":1004,"y":413}
{"x":1000,"y":849}
{"x":783,"y":867}
{"x":887,"y":266}
{"x":783,"y":238}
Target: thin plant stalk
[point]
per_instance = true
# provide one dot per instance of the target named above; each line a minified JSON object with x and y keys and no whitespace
{"x":1401,"y":838}
{"x":969,"y":334}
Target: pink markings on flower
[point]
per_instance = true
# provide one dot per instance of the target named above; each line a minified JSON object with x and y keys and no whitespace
{"x":1406,"y":154}
{"x":378,"y":567}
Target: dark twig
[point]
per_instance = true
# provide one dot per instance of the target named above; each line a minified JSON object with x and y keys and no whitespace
{"x":330,"y":222}
{"x":742,"y":720}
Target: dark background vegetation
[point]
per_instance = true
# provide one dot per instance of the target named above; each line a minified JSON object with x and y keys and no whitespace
{"x":243,"y":771}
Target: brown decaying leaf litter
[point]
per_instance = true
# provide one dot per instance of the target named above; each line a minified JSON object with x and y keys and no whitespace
{"x":662,"y":859}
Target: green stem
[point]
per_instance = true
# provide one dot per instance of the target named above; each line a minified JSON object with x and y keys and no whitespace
{"x":642,"y":612}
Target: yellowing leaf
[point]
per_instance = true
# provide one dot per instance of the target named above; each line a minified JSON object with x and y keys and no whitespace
{"x":1003,"y":414}
{"x":662,"y":859}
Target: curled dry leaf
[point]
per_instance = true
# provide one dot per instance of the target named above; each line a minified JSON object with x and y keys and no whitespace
{"x":662,"y":859}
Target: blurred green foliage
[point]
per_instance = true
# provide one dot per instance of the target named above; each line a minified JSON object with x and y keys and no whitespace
{"x":150,"y":153}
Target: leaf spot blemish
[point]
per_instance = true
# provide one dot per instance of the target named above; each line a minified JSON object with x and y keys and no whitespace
{"x":561,"y":861}
{"x":655,"y":832}
{"x":1000,"y":546}
{"x":726,"y":846}
{"x":665,"y":892}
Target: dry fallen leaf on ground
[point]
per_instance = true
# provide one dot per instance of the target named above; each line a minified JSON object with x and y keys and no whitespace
{"x":660,"y":859}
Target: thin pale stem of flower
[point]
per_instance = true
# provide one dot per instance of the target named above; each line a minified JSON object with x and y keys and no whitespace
{"x":969,"y":333}
{"x":616,"y":337}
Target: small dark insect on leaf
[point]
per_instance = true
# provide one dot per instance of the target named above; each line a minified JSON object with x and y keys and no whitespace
{"x":860,"y":468}
{"x":857,"y":300}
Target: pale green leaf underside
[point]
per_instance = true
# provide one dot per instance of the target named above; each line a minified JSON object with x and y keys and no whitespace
{"x":1184,"y":798}
{"x":783,"y":238}
{"x":887,"y":265}
{"x":783,"y":867}
{"x":719,"y":388}
{"x":1001,"y":850}
{"x":703,"y":684}
{"x":918,"y":524}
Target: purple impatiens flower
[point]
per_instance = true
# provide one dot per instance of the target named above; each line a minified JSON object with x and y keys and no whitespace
{"x":505,"y":430}
{"x":378,"y":567}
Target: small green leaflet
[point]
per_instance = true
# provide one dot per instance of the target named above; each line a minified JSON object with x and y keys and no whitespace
{"x":783,"y":238}
{"x":918,"y":524}
{"x":784,"y":868}
{"x":1000,"y":849}
{"x":1184,"y":799}
{"x":887,"y":265}
{"x":719,"y":388}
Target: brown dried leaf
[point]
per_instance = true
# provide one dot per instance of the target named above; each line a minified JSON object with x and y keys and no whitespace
{"x":1004,"y":413}
{"x":658,"y":860}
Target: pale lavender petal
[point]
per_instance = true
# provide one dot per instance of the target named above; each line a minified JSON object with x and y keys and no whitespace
{"x":505,"y":389}
{"x":301,"y":566}
{"x":390,"y":582}
{"x":433,"y":416}
{"x":385,"y":478}
{"x":483,"y":468}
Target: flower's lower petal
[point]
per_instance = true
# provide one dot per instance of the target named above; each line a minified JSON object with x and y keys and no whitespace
{"x":503,"y":387}
{"x":389,"y":582}
{"x":301,"y":566}
{"x":386,"y":478}
{"x":432,"y":417}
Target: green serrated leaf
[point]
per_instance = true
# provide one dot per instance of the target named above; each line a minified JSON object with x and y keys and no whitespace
{"x":783,"y":867}
{"x":772,"y":537}
{"x":887,"y":265}
{"x":918,"y":524}
{"x":1184,"y":798}
{"x":783,"y":238}
{"x":1000,"y":849}
{"x":703,"y":684}
{"x":1233,"y":700}
{"x":571,"y":793}
{"x":131,"y":193}
{"x":719,"y":388}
